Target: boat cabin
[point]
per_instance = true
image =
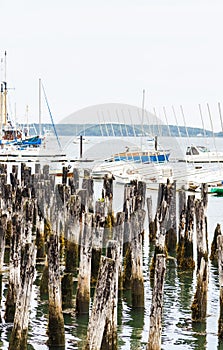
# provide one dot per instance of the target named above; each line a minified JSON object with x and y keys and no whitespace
{"x":196,"y":150}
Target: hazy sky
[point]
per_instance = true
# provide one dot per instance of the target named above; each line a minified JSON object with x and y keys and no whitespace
{"x":92,"y":52}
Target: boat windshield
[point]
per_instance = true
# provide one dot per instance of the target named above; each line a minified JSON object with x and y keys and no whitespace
{"x":196,"y":150}
{"x":203,"y":149}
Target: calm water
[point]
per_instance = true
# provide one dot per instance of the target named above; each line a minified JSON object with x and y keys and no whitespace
{"x":133,"y":325}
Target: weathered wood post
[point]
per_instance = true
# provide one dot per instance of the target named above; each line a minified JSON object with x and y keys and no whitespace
{"x":137,"y":280}
{"x":108,"y":194}
{"x":3,"y":226}
{"x":76,"y":178}
{"x":118,"y":231}
{"x":162,"y":217}
{"x":171,"y":232}
{"x":14,"y":177}
{"x":56,"y":330}
{"x":154,"y":342}
{"x":220,"y":273}
{"x":108,"y":208}
{"x":128,"y":209}
{"x":199,"y":305}
{"x":185,"y":256}
{"x":201,"y":230}
{"x":182,"y":224}
{"x":110,"y":340}
{"x":152,"y":224}
{"x":103,"y":308}
{"x":19,"y":335}
{"x":97,"y":239}
{"x":84,"y":276}
{"x":214,"y":252}
{"x":14,"y":268}
{"x":88,"y":185}
{"x":72,"y":232}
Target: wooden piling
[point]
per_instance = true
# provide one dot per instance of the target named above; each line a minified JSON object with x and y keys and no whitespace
{"x":152,"y":224}
{"x":3,"y":226}
{"x":72,"y":233}
{"x":199,"y":305}
{"x":14,"y":266}
{"x":154,"y":342}
{"x":185,"y":255}
{"x":171,"y":232}
{"x":214,"y":253}
{"x":220,"y":274}
{"x":19,"y":335}
{"x":99,"y":336}
{"x":182,"y":224}
{"x":137,"y":280}
{"x":84,"y":276}
{"x":201,"y":232}
{"x":110,"y":339}
{"x":56,"y":322}
{"x":118,"y":232}
{"x":162,"y":217}
{"x":97,"y":239}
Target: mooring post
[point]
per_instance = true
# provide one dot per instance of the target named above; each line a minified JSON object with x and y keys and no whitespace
{"x":14,"y":177}
{"x":182,"y":224}
{"x":162,"y":217}
{"x":56,"y":330}
{"x":110,"y":339}
{"x":185,"y":255}
{"x":220,"y":274}
{"x":99,"y":336}
{"x":14,"y":267}
{"x":152,"y":225}
{"x":76,"y":178}
{"x":137,"y":280}
{"x":97,"y":239}
{"x":3,"y":226}
{"x":108,"y":194}
{"x":84,"y":276}
{"x":19,"y":335}
{"x":171,"y":232}
{"x":201,"y":231}
{"x":214,"y":251}
{"x":154,"y":342}
{"x":88,"y":185}
{"x":118,"y":232}
{"x":72,"y":232}
{"x":199,"y":305}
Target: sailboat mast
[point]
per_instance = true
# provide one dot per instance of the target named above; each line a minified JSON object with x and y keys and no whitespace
{"x":5,"y":96}
{"x":143,"y":108}
{"x":40,"y":123}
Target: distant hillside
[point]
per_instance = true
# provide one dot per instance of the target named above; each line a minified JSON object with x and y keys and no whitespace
{"x":110,"y":129}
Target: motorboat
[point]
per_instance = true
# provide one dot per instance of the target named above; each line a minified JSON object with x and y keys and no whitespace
{"x":201,"y":154}
{"x":142,"y":156}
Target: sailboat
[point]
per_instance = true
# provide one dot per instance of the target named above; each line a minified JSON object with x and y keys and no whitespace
{"x":16,"y":143}
{"x":12,"y":137}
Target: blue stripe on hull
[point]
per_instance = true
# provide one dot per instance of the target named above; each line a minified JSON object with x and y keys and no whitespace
{"x":161,"y":158}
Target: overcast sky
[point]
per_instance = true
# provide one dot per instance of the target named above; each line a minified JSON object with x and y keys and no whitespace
{"x":90,"y":52}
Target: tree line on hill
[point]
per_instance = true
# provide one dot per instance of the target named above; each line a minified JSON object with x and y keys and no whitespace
{"x":109,"y":129}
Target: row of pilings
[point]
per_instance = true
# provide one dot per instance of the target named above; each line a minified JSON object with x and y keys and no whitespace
{"x":79,"y":237}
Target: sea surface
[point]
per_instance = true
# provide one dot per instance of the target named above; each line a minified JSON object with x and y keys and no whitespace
{"x":178,"y":330}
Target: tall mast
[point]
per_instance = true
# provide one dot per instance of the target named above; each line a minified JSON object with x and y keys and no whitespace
{"x":40,"y":124}
{"x":5,"y":97}
{"x":143,"y":110}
